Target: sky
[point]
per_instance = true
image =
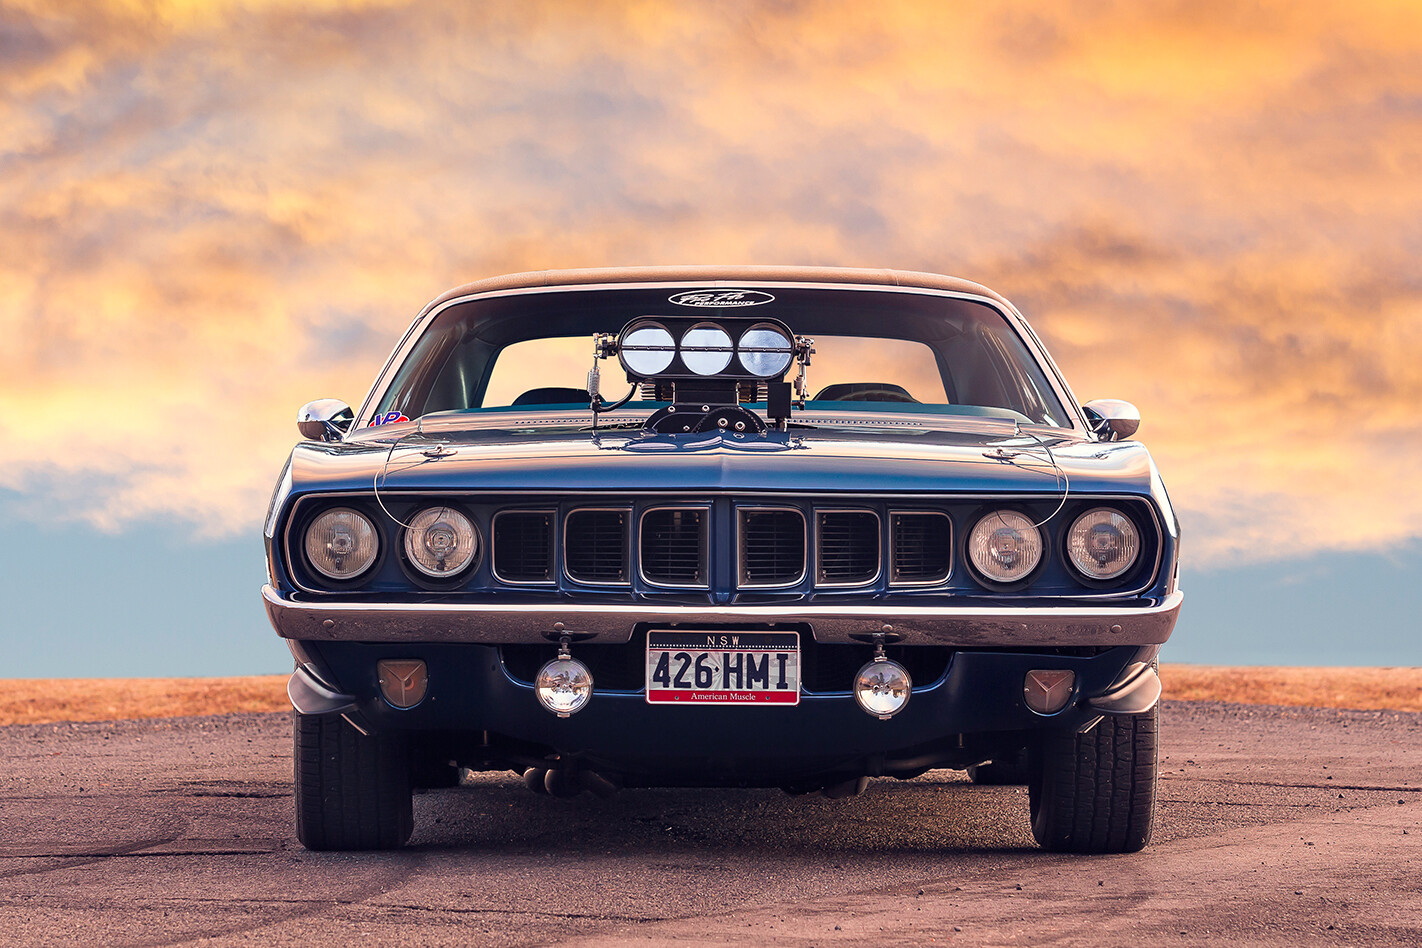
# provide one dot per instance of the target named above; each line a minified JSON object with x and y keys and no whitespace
{"x":212,"y":212}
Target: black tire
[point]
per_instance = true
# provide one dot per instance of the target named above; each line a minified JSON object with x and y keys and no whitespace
{"x":1095,"y":792}
{"x":1007,"y":770}
{"x":352,"y":789}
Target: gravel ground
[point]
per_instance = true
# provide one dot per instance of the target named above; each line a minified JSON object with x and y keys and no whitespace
{"x":1276,"y":826}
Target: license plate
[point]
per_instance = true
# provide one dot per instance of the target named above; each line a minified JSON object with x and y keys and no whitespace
{"x":723,"y":667}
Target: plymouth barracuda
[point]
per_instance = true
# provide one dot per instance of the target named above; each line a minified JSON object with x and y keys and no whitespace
{"x":722,"y":527}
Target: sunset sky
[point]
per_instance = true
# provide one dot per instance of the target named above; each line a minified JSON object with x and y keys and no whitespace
{"x":213,"y":212}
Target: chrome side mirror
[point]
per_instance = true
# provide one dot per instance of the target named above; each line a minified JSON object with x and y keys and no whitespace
{"x":1112,"y":419}
{"x":325,"y":419}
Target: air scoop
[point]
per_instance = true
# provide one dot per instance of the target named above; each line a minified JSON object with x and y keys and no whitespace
{"x":706,"y":368}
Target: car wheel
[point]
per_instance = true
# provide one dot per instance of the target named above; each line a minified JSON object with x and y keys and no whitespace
{"x":1005,"y":771}
{"x":352,"y":789}
{"x":1095,"y":792}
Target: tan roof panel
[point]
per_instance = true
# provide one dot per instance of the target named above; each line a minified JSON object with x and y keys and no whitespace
{"x":728,"y":276}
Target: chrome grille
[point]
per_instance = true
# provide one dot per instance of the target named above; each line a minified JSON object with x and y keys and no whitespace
{"x":922,"y":547}
{"x":673,"y":549}
{"x":847,"y":547}
{"x":595,"y":546}
{"x":772,"y":547}
{"x":523,"y":546}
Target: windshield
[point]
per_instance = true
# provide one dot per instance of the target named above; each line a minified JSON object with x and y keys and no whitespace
{"x":874,"y":351}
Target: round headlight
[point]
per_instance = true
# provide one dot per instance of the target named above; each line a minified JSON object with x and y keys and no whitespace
{"x":648,"y":349}
{"x":1005,"y":546}
{"x":441,"y":542}
{"x":1103,"y":543}
{"x":341,"y":543}
{"x":765,"y":351}
{"x":706,"y":349}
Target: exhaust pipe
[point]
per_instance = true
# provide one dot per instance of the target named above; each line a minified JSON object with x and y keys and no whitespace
{"x":846,"y":788}
{"x":568,"y":783}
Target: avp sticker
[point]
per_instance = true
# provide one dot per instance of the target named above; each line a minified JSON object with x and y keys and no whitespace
{"x":389,"y":418}
{"x":721,"y":298}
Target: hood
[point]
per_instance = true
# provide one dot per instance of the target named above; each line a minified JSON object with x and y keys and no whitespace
{"x":975,"y":458}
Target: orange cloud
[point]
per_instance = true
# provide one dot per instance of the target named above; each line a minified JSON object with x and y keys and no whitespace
{"x":213,"y":212}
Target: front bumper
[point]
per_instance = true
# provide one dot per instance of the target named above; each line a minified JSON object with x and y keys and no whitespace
{"x":1105,"y":624}
{"x":479,"y":713}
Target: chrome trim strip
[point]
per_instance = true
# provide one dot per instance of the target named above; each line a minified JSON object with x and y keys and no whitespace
{"x":626,"y":550}
{"x":705,"y":546}
{"x":552,"y":514}
{"x":741,"y":546}
{"x":498,"y":623}
{"x":918,"y":583}
{"x":879,"y":551}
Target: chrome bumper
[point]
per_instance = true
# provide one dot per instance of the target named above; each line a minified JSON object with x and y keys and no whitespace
{"x":960,"y":626}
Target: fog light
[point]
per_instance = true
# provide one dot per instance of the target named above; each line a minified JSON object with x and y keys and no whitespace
{"x":883,"y":687}
{"x":1047,"y":690}
{"x":403,"y":682}
{"x":564,"y":685}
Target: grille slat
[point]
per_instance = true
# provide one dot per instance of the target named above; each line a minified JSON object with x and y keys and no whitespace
{"x":674,"y":547}
{"x":595,"y":546}
{"x":922,"y":547}
{"x":848,"y":547}
{"x":772,"y":547}
{"x":523,"y":546}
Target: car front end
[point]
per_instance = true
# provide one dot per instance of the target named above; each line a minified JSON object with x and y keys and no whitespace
{"x":720,"y":580}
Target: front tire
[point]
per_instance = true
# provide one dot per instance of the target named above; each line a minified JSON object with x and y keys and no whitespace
{"x":352,"y":789}
{"x":1095,"y":792}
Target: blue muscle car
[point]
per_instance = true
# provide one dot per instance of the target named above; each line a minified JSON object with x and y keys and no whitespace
{"x":735,"y":527}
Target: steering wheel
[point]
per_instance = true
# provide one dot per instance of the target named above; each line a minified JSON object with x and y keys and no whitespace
{"x":864,"y":392}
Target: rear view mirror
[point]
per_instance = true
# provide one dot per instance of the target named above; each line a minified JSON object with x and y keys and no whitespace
{"x":326,"y":419}
{"x":1112,"y":419}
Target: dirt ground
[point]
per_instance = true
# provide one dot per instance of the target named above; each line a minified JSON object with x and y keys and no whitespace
{"x":42,"y":701}
{"x":46,"y":700}
{"x":1365,"y":689}
{"x":1275,"y":828}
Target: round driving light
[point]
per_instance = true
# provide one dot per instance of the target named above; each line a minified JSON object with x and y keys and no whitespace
{"x":706,"y":349}
{"x":441,"y":542}
{"x":1103,"y":543}
{"x":564,"y":686}
{"x":882,"y":688}
{"x":341,"y":543}
{"x":648,"y":349}
{"x":765,"y":351}
{"x":1005,"y":546}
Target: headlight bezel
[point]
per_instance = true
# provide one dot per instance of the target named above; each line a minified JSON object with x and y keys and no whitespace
{"x":415,"y":571}
{"x":981,"y":576}
{"x":320,"y":575}
{"x":1143,"y":547}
